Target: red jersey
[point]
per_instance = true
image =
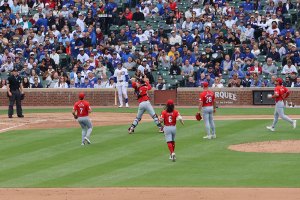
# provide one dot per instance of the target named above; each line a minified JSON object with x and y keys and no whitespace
{"x":169,"y":118}
{"x":82,"y":107}
{"x":172,"y":6}
{"x":142,"y":91}
{"x":207,"y":97}
{"x":281,"y":91}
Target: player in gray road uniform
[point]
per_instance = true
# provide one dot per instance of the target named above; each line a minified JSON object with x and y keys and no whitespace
{"x":208,"y":106}
{"x":141,"y":89}
{"x":81,"y":111}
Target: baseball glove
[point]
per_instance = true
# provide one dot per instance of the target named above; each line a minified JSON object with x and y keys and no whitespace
{"x":198,"y":116}
{"x":75,"y":116}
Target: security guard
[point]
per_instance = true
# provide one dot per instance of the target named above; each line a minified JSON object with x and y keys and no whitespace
{"x":14,"y":91}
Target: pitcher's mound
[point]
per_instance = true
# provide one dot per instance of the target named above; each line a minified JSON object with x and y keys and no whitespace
{"x":283,"y":146}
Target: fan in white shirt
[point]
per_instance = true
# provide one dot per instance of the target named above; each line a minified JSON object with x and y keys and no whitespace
{"x":142,"y":36}
{"x":82,"y":56}
{"x":61,"y":83}
{"x":174,"y":38}
{"x":144,"y":66}
{"x":80,"y":22}
{"x":289,"y":68}
{"x":149,"y":32}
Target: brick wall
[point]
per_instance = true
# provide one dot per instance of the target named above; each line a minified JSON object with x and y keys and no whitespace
{"x":105,"y":97}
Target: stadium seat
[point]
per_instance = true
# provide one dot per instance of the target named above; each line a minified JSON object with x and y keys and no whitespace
{"x":287,"y":18}
{"x":261,"y":58}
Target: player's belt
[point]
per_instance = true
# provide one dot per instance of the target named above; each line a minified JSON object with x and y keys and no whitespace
{"x":120,"y":80}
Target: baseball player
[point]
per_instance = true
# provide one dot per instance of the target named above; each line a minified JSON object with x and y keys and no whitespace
{"x":121,"y":79}
{"x":169,"y":117}
{"x":141,"y":90}
{"x":280,"y":94}
{"x":207,"y":105}
{"x":81,"y":112}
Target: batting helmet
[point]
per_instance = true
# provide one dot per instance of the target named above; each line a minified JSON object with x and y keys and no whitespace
{"x":81,"y":95}
{"x":279,"y":81}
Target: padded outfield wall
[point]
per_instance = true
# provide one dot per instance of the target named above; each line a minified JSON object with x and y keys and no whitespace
{"x":182,"y":96}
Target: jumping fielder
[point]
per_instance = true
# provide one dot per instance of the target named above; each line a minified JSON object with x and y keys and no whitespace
{"x":207,"y":105}
{"x":121,"y":79}
{"x":141,"y":88}
{"x":169,"y":117}
{"x":81,"y":112}
{"x":280,"y":94}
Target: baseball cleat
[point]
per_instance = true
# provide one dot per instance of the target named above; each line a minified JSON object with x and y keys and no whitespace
{"x":207,"y":137}
{"x":214,"y":136}
{"x":294,"y":124}
{"x":270,"y":128}
{"x":120,"y":106}
{"x":127,"y":106}
{"x":87,"y":140}
{"x":82,"y":144}
{"x":161,"y":129}
{"x":131,"y":130}
{"x":173,"y":157}
{"x":170,"y":158}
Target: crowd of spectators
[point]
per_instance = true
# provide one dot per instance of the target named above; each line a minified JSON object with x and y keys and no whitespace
{"x":71,"y":43}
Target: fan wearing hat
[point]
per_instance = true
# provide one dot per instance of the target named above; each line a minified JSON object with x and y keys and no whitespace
{"x":138,"y":15}
{"x":81,"y":111}
{"x":14,"y":93}
{"x":207,"y":106}
{"x":121,"y":79}
{"x":169,"y":117}
{"x":82,"y":56}
{"x":281,"y":93}
{"x":135,"y":40}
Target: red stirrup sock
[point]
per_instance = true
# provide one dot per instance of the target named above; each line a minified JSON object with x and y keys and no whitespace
{"x":170,"y":146}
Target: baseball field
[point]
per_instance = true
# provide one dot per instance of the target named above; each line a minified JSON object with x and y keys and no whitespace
{"x":41,"y":157}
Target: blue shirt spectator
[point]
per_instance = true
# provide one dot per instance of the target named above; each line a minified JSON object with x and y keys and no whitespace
{"x":248,"y":6}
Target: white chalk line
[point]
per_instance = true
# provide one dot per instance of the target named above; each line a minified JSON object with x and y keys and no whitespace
{"x":19,"y":125}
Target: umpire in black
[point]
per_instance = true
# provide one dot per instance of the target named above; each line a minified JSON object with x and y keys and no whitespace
{"x":14,"y":92}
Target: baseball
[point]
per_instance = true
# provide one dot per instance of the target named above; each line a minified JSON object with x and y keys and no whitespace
{"x":270,"y":96}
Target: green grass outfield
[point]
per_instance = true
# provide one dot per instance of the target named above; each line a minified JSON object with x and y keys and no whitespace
{"x":54,"y":158}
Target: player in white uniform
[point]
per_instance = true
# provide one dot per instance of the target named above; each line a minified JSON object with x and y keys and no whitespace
{"x":121,"y":79}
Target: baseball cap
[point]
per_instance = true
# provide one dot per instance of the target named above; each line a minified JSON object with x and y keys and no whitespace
{"x":170,"y":102}
{"x":81,"y":95}
{"x":14,"y":69}
{"x":144,"y":59}
{"x":247,"y":73}
{"x":81,"y":49}
{"x":279,"y":81}
{"x":205,"y":84}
